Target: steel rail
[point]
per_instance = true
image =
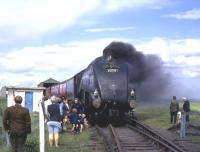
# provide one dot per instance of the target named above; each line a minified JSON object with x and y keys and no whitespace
{"x":148,"y":132}
{"x":116,"y":139}
{"x":111,"y":141}
{"x":107,"y":144}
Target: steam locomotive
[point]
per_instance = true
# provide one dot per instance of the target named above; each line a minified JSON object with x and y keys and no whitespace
{"x":103,"y":87}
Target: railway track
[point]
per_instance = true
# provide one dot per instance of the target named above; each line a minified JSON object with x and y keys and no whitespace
{"x":95,"y":144}
{"x":161,"y":142}
{"x":134,"y":137}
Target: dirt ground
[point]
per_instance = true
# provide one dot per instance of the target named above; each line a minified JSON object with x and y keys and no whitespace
{"x":190,"y":143}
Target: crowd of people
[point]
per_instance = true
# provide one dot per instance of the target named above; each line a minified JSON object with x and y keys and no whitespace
{"x":60,"y":114}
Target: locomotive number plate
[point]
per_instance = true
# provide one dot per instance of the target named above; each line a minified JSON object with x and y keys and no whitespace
{"x":112,"y":70}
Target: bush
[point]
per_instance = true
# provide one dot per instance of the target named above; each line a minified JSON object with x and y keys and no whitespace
{"x":32,"y":145}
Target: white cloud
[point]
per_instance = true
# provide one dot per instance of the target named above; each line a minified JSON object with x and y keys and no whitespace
{"x":109,"y":29}
{"x":113,"y":5}
{"x":35,"y":64}
{"x":193,"y":14}
{"x":182,"y":54}
{"x":155,"y":45}
{"x":189,"y":66}
{"x":36,"y":17}
{"x":166,"y":47}
{"x":192,"y":61}
{"x":190,"y":73}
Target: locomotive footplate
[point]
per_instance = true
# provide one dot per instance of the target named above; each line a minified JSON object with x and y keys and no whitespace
{"x":113,"y":112}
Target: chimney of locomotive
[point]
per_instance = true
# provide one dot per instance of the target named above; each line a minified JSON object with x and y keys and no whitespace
{"x":109,"y":58}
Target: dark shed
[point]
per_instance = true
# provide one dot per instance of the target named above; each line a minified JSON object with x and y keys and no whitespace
{"x":48,"y":82}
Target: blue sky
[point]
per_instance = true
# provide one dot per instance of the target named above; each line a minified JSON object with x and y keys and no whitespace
{"x":47,"y":38}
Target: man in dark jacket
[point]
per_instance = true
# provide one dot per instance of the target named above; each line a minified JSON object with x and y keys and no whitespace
{"x":174,"y":108}
{"x":17,"y":121}
{"x":186,"y":108}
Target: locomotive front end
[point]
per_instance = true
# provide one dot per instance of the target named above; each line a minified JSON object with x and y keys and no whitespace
{"x":114,"y":96}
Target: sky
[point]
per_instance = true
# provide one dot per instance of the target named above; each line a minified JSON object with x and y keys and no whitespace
{"x":46,"y":38}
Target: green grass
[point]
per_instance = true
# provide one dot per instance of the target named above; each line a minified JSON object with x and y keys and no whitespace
{"x":154,"y":116}
{"x":2,"y":108}
{"x":195,"y":106}
{"x":196,"y":139}
{"x":159,"y":115}
{"x":70,"y":142}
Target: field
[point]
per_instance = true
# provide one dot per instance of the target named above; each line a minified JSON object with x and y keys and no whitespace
{"x":158,"y":115}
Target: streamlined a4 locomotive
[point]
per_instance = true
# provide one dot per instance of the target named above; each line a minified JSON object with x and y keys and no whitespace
{"x":103,"y":87}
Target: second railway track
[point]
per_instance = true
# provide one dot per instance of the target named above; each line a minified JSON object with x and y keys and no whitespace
{"x":135,"y":137}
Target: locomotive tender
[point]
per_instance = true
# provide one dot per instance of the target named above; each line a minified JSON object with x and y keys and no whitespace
{"x":103,"y":87}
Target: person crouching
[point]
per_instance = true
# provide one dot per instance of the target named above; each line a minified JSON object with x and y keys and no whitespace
{"x":54,"y":123}
{"x":74,"y":120}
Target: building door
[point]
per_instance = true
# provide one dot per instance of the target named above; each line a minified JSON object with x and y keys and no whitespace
{"x":29,"y":100}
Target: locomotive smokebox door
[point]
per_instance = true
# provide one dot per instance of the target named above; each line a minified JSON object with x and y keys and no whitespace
{"x":114,"y":113}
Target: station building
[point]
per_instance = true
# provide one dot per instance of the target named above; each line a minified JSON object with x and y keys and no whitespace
{"x":31,"y":97}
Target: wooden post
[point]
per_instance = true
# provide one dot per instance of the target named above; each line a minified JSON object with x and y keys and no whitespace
{"x":7,"y":139}
{"x":6,"y":133}
{"x":183,"y":125}
{"x":42,"y":126}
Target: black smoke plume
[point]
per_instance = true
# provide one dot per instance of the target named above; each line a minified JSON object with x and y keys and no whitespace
{"x":146,"y":72}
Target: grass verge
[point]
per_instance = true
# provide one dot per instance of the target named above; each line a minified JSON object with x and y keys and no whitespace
{"x":158,"y":115}
{"x":70,"y":142}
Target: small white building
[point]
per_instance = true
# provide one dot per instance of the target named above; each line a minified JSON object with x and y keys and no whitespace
{"x":31,"y":97}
